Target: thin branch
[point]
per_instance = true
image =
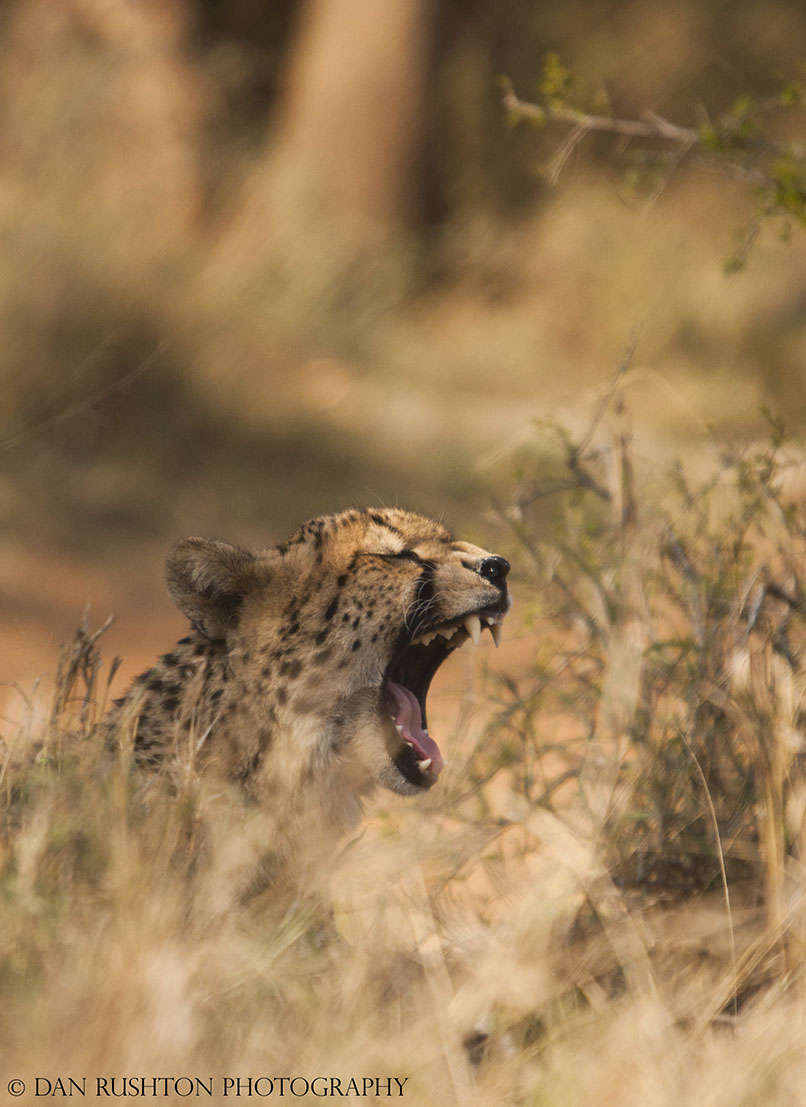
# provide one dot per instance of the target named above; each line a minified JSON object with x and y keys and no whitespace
{"x":88,"y":401}
{"x":733,"y":170}
{"x":626,"y":360}
{"x":674,"y":160}
{"x":653,"y":127}
{"x":573,"y":140}
{"x":723,"y":872}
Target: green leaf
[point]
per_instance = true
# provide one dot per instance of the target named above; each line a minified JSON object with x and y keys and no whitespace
{"x":557,"y":81}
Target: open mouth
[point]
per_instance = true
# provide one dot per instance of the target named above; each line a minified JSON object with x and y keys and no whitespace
{"x":409,"y":677}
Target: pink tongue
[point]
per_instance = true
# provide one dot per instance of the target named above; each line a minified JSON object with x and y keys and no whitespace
{"x":406,"y":711}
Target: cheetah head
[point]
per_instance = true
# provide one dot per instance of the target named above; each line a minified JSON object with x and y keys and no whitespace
{"x":333,"y":638}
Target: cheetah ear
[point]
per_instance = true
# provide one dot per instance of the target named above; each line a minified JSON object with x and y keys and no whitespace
{"x":207,"y":580}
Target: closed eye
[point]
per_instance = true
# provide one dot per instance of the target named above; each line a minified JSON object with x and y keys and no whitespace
{"x":400,"y":555}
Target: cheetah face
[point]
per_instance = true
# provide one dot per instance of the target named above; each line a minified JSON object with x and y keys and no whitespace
{"x":338,"y":632}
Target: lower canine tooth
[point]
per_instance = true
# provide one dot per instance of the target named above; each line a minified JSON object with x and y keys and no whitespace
{"x":497,"y":632}
{"x":424,"y":765}
{"x":473,"y":627}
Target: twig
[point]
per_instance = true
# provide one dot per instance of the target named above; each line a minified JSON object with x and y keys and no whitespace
{"x":82,"y":405}
{"x":721,"y":857}
{"x":626,"y":360}
{"x":566,"y":150}
{"x":652,"y":127}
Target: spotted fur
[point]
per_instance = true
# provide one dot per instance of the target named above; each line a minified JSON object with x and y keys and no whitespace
{"x":281,"y":688}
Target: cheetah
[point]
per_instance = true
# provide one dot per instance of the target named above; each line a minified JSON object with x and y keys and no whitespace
{"x":302,"y":683}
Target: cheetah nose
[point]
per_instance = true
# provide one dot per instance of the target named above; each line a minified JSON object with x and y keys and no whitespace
{"x":494,"y":569}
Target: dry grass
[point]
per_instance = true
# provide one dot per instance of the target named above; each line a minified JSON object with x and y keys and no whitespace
{"x":603,"y":904}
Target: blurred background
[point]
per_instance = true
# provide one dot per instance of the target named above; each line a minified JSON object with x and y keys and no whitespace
{"x":271,"y":258}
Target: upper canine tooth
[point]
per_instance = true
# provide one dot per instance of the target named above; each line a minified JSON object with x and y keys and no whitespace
{"x":497,"y":632}
{"x":473,"y":626}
